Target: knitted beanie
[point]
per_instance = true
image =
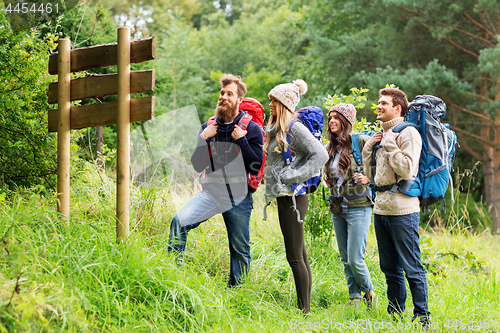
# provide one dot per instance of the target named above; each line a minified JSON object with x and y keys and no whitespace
{"x":289,"y":93}
{"x":347,"y":110}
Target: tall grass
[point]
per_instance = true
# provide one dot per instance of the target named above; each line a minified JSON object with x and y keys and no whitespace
{"x":57,"y":277}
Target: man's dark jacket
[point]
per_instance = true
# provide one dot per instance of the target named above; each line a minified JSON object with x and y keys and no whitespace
{"x":223,"y":163}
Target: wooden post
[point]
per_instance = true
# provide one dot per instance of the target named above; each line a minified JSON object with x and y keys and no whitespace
{"x":122,"y":112}
{"x":63,"y":128}
{"x":123,"y":135}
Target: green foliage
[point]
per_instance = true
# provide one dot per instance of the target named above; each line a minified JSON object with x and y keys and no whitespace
{"x":75,"y":277}
{"x":28,"y":151}
{"x":56,"y":277}
{"x":89,"y":23}
{"x":318,"y":220}
{"x":30,"y":305}
{"x":332,"y":45}
{"x":25,"y":309}
{"x":444,"y":48}
{"x":465,"y":212}
{"x":358,"y":99}
{"x":246,"y":48}
{"x":436,"y":262}
{"x":260,"y":83}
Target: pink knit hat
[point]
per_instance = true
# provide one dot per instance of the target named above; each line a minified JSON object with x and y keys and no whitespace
{"x":289,"y":93}
{"x":347,"y":110}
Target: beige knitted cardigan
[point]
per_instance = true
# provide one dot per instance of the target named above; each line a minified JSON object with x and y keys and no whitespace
{"x":399,"y":157}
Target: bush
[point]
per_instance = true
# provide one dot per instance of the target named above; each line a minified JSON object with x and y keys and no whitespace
{"x":28,"y":151}
{"x":318,"y":221}
{"x":466,"y":212}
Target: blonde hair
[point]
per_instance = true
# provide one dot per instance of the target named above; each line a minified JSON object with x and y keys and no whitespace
{"x":282,"y":122}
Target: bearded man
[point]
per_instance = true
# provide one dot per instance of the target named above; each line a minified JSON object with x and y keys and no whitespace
{"x":227,"y":154}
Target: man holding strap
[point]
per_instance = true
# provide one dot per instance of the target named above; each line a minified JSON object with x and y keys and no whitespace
{"x":396,"y":216}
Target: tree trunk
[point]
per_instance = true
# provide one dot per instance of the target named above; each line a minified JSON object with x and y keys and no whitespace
{"x":489,"y":182}
{"x":491,"y":161}
{"x":495,"y":204}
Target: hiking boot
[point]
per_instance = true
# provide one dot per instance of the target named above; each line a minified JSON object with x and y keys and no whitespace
{"x":371,"y":302}
{"x":396,"y":316}
{"x":425,"y":325}
{"x":355,"y":303}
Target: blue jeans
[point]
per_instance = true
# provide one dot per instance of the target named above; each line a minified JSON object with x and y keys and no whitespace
{"x":351,"y":231}
{"x":399,"y":252}
{"x":237,"y":219}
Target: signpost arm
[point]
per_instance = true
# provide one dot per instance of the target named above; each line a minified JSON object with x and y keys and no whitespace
{"x":123,"y":136}
{"x":63,"y":128}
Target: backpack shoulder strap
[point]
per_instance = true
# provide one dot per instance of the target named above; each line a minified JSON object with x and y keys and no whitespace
{"x":211,"y":120}
{"x":356,"y":153}
{"x":355,"y":148}
{"x":287,"y":155}
{"x":399,"y":127}
{"x":244,"y":121}
{"x":290,"y":128}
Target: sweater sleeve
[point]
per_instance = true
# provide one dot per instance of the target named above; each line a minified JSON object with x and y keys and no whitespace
{"x":310,"y":152}
{"x":200,"y":159}
{"x":404,"y":152}
{"x":367,"y":157}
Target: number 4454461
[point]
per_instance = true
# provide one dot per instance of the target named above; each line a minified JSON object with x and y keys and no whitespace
{"x":32,"y":7}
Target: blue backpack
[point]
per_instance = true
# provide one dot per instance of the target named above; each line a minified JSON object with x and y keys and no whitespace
{"x":312,"y":117}
{"x":438,"y":151}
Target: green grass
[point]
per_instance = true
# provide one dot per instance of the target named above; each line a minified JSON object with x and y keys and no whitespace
{"x":75,"y":277}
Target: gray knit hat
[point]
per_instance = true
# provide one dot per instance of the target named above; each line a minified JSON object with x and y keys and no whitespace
{"x":289,"y":93}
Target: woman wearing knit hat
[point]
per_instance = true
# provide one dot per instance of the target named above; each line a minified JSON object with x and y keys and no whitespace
{"x":350,"y":202}
{"x":309,"y":156}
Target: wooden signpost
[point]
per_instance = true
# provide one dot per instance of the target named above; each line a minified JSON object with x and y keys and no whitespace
{"x":122,"y":112}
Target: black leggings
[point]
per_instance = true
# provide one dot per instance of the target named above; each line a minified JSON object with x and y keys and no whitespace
{"x":293,"y":234}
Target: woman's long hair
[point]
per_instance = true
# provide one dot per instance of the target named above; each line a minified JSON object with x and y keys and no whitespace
{"x":282,"y":122}
{"x":339,"y":143}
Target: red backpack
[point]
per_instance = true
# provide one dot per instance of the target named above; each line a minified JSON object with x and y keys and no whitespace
{"x":254,"y":111}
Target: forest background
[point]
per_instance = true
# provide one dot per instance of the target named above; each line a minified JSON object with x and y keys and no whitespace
{"x":449,"y":49}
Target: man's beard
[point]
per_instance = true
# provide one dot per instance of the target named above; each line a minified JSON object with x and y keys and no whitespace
{"x":226,"y":111}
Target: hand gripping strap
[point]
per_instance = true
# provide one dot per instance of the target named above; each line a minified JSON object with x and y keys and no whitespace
{"x":243,"y":123}
{"x":287,"y":154}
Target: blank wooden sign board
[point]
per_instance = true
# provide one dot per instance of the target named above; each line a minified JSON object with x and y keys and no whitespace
{"x":122,"y":112}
